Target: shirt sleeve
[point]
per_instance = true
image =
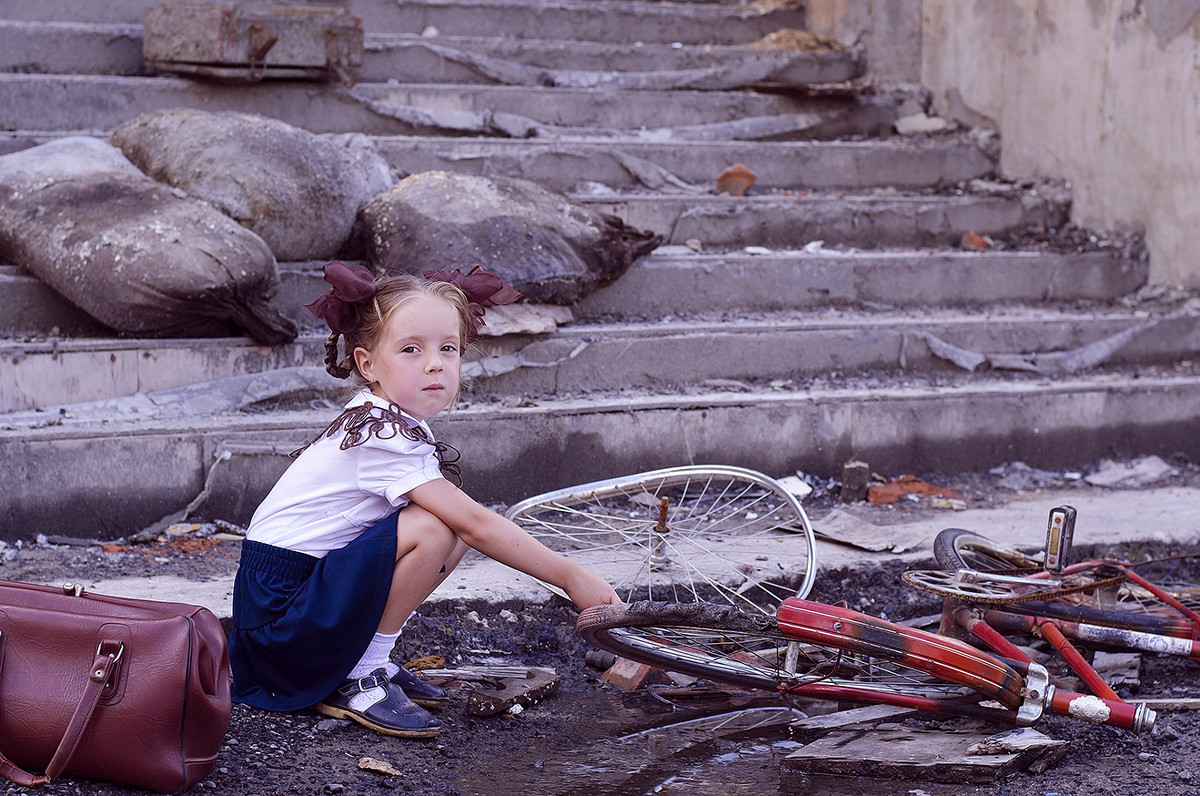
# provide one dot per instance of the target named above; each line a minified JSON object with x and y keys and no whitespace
{"x":394,"y":466}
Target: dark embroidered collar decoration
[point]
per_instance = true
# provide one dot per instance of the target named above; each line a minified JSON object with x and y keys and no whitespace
{"x":360,"y":423}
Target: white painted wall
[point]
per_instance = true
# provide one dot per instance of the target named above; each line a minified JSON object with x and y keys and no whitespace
{"x":1102,"y":93}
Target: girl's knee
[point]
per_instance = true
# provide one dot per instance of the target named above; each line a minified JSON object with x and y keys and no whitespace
{"x":417,"y":527}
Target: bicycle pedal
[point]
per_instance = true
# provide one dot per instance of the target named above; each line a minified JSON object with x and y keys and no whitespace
{"x":1060,"y":532}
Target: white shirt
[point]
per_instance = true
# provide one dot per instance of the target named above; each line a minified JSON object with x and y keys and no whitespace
{"x":328,"y":496}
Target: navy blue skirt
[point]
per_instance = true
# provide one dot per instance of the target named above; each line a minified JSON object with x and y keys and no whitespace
{"x":301,"y":623}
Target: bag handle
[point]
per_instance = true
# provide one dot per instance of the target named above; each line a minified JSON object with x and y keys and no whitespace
{"x":108,"y":653}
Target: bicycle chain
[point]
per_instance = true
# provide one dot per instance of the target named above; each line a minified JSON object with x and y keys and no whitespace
{"x":1037,"y":596}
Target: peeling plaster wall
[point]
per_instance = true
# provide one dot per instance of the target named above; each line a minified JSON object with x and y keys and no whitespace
{"x":1103,"y":93}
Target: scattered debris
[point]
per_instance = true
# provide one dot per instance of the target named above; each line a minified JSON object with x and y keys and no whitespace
{"x":903,"y":486}
{"x":921,"y":123}
{"x":811,"y":728}
{"x":1131,"y":475}
{"x":1019,"y":476}
{"x":735,"y":180}
{"x":1015,"y":740}
{"x":948,"y":504}
{"x":1051,"y":363}
{"x":975,"y":242}
{"x":509,"y":694}
{"x":856,"y":477}
{"x":379,"y":766}
{"x":796,"y":485}
{"x":840,"y":526}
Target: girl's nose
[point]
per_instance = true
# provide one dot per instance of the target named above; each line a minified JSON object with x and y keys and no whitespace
{"x":434,"y":364}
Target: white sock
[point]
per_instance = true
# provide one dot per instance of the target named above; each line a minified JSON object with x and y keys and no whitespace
{"x":377,"y":655}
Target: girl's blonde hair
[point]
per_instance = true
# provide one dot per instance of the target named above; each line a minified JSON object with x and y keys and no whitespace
{"x":391,"y":293}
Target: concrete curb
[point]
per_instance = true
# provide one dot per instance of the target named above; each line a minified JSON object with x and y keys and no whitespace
{"x":1105,"y":517}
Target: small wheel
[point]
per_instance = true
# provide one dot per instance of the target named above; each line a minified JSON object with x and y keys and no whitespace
{"x":956,"y":548}
{"x":682,"y":534}
{"x":719,"y":642}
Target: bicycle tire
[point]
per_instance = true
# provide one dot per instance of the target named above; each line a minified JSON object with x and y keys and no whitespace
{"x":958,"y":548}
{"x":871,"y":659}
{"x":1128,"y":607}
{"x":724,"y":534}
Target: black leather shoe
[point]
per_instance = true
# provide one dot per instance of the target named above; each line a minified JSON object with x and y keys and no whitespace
{"x":419,"y":691}
{"x":395,"y":714}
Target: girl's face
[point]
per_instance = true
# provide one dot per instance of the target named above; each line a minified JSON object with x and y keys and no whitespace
{"x":416,"y":361}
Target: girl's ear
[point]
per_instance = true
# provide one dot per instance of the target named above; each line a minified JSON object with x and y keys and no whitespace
{"x":362,"y":358}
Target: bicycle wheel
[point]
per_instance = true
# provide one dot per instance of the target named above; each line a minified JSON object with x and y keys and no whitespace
{"x":862,"y":659}
{"x":1123,"y":604}
{"x":682,"y":534}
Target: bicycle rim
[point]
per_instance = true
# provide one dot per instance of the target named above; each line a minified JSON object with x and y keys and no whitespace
{"x":956,"y":548}
{"x":725,"y":644}
{"x":682,"y":534}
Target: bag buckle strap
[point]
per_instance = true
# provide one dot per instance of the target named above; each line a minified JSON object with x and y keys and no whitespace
{"x":106,"y":659}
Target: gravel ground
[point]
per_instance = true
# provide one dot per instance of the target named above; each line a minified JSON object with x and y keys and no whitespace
{"x":564,"y":744}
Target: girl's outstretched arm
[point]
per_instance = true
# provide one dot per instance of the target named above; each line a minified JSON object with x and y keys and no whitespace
{"x":504,"y":541}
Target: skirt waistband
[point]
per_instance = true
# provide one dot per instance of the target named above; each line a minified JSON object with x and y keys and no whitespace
{"x":273,"y":560}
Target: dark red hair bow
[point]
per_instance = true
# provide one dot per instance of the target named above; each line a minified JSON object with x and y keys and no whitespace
{"x":351,"y":283}
{"x":482,"y":288}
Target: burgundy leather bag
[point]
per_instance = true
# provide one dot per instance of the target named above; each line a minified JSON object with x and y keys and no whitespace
{"x":129,"y":691}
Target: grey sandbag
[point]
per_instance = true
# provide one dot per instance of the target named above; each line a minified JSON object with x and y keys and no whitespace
{"x":133,"y":253}
{"x":551,"y":249}
{"x":298,"y":191}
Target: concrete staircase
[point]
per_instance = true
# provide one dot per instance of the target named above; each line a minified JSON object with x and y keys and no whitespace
{"x":831,"y":312}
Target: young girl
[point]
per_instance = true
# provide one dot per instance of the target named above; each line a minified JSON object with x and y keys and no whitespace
{"x":364,"y":525}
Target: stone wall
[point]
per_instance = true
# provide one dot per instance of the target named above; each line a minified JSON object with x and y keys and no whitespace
{"x":1102,"y":93}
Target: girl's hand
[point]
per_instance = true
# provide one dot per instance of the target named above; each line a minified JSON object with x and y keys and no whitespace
{"x":587,"y":589}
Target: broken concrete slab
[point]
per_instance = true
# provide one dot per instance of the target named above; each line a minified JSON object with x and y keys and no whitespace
{"x":916,"y":752}
{"x":506,"y":693}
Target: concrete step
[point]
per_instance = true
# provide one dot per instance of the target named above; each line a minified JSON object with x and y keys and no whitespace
{"x":882,"y":218}
{"x":114,"y":471}
{"x":897,"y":162}
{"x":668,"y":354}
{"x":595,"y":20}
{"x":102,"y":102}
{"x":734,"y":281}
{"x":81,"y":48}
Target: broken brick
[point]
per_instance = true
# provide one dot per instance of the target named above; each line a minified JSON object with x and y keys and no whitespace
{"x":735,"y":180}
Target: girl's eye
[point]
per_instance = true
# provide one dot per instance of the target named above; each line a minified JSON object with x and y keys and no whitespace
{"x":408,"y":349}
{"x":450,"y":348}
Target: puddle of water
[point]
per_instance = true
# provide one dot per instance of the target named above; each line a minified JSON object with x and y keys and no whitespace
{"x":623,"y":749}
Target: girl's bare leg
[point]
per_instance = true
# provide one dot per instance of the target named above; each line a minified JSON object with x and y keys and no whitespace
{"x":427,"y":551}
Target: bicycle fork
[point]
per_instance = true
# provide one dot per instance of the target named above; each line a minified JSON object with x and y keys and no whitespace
{"x":1106,"y":707}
